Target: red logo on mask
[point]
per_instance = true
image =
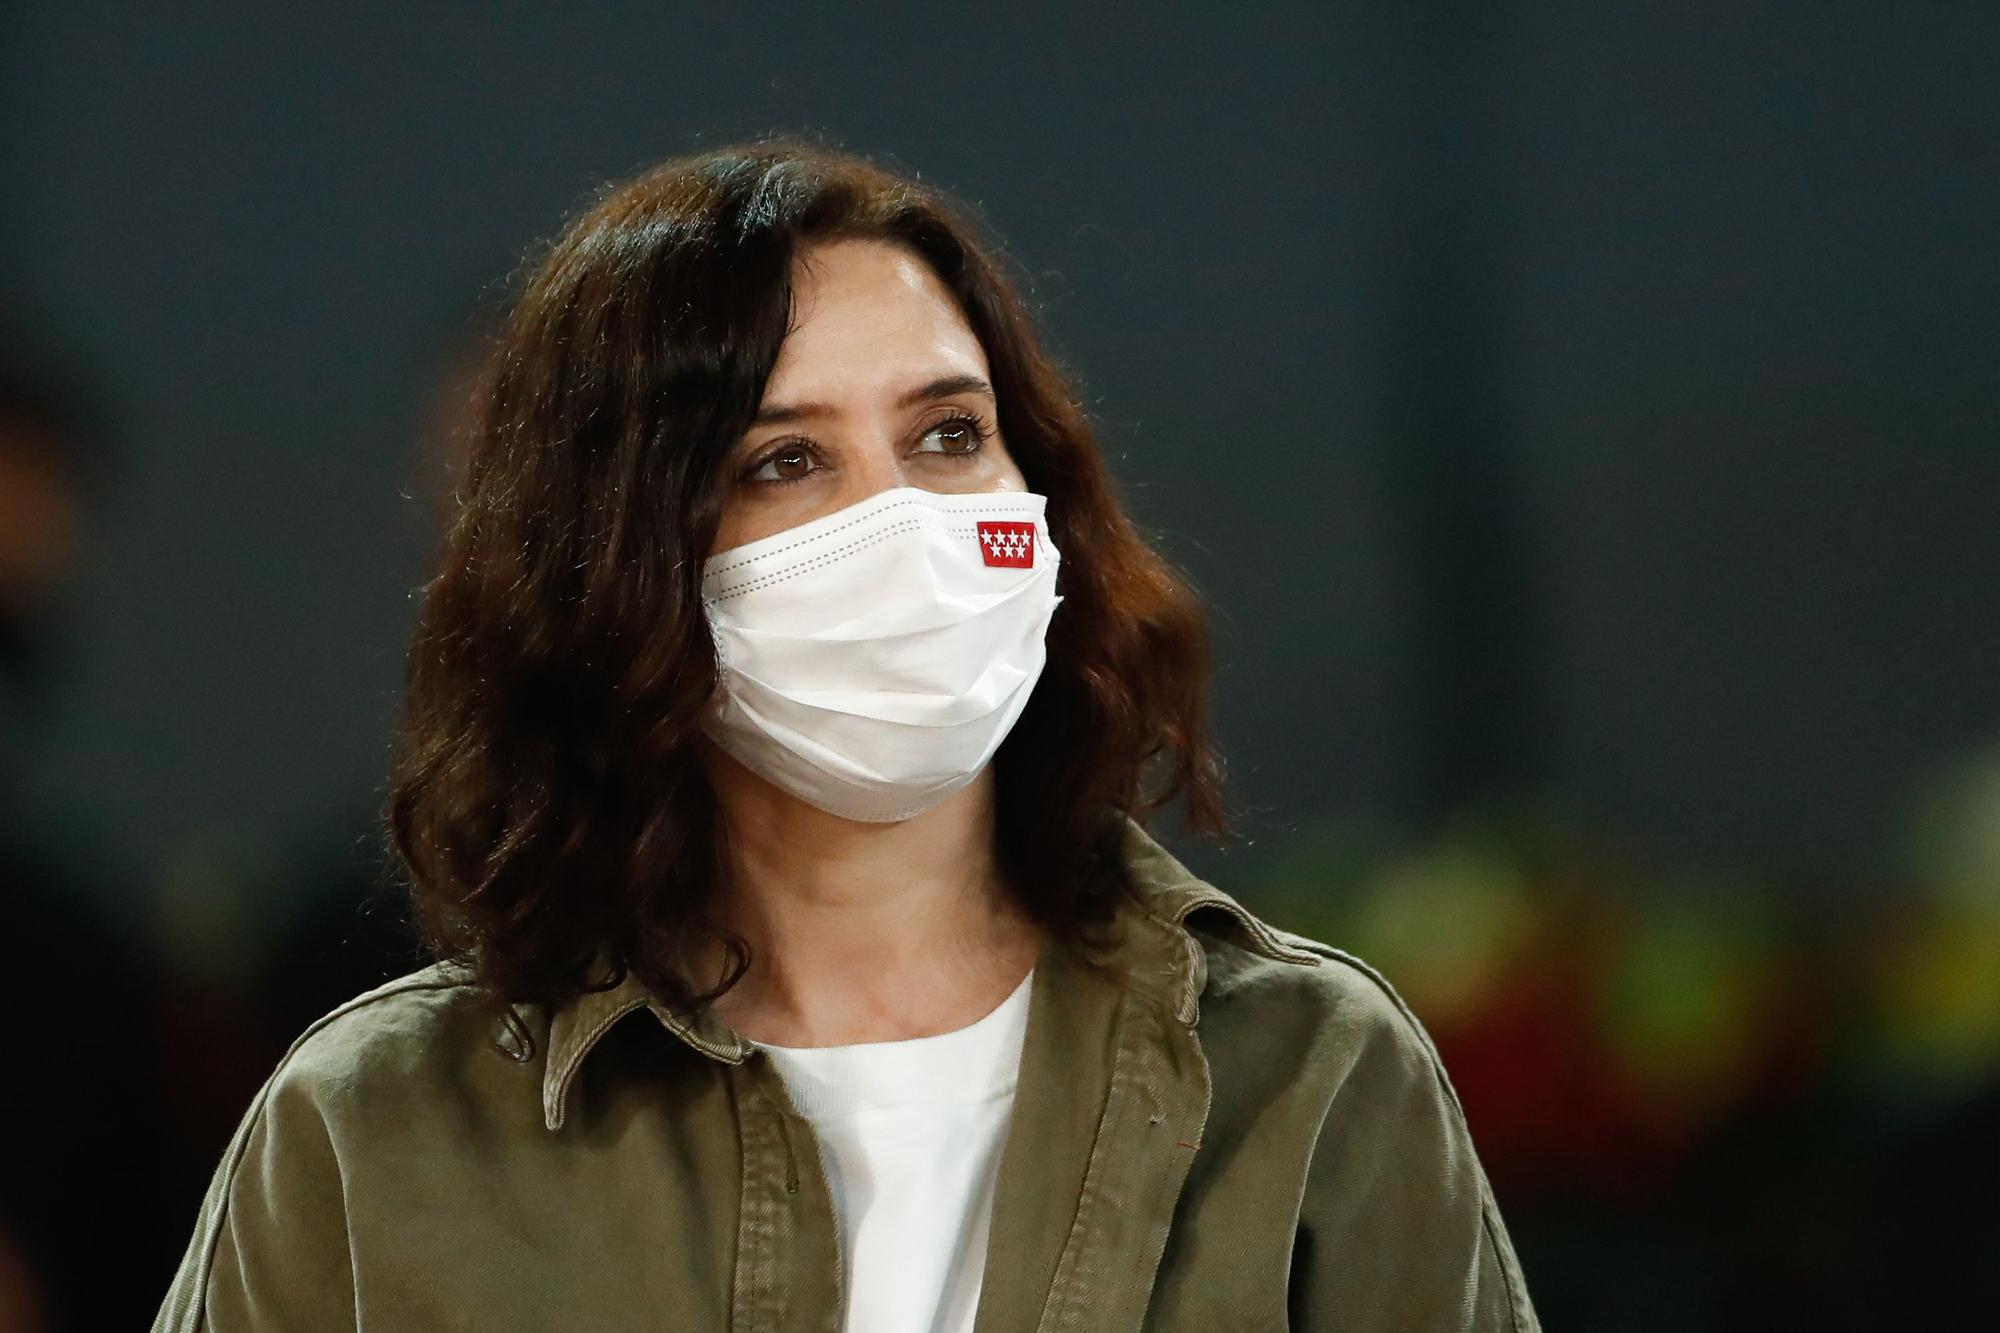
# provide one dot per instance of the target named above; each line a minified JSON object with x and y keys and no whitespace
{"x":1011,"y":545}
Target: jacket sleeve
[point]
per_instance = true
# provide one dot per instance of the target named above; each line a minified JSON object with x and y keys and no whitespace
{"x":270,"y":1249}
{"x":1398,"y":1228}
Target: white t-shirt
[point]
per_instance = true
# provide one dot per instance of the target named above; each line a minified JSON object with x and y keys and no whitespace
{"x":911,"y":1132}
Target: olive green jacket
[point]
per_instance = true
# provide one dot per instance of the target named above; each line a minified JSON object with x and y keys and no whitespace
{"x":1252,"y":1132}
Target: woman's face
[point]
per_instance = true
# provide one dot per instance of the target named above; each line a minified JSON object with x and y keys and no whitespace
{"x":880,"y":383}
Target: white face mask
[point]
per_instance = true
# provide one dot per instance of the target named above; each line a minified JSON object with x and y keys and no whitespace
{"x":874,"y":658}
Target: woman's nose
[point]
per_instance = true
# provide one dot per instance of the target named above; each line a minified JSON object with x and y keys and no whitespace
{"x":879,"y":468}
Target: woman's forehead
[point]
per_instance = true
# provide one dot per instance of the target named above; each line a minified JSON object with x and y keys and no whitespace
{"x":870,"y":320}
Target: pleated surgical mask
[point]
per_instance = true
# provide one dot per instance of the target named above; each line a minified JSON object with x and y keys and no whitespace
{"x":873,"y":659}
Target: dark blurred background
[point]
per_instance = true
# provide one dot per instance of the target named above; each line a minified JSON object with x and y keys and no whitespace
{"x":1582,"y":418}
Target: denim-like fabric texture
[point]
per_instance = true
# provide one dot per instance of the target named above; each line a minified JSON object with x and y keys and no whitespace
{"x":1247,"y":1130}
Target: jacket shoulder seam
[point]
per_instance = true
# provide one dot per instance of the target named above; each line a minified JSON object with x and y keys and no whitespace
{"x":424,"y":980}
{"x":1319,"y":950}
{"x":1402,"y":1006}
{"x":1488,"y":1207}
{"x":1260,"y":936}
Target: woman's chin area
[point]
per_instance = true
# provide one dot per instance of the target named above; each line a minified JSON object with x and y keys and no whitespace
{"x":748,"y":800}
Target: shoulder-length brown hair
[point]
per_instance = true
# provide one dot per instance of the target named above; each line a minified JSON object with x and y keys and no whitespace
{"x":546,"y":801}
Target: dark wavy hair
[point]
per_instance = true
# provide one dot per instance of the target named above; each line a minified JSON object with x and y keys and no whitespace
{"x":546,"y":801}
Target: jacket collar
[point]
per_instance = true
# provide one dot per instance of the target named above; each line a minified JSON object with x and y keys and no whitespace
{"x":1156,"y":956}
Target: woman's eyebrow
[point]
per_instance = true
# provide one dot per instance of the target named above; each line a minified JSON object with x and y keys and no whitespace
{"x":941,"y":387}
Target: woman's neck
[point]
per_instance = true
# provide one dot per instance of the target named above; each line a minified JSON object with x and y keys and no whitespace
{"x":865,"y":932}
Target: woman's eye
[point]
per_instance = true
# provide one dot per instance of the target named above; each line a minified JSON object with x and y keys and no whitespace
{"x":957,"y":436}
{"x":961,"y":435}
{"x":792,"y":463}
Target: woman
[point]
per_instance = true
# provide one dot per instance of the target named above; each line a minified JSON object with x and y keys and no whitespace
{"x":793,"y":676}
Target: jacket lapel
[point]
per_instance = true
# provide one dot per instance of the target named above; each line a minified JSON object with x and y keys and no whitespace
{"x":1110,"y":1105}
{"x":1111,"y":1102}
